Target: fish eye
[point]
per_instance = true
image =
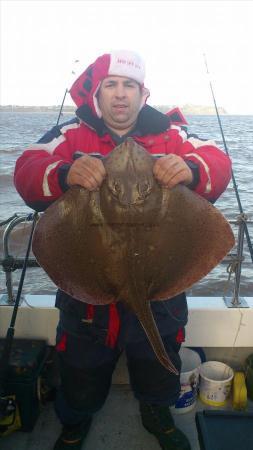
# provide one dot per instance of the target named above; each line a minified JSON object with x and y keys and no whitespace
{"x":116,"y":186}
{"x":144,"y":186}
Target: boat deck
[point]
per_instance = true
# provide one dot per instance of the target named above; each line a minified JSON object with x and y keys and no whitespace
{"x":116,"y":426}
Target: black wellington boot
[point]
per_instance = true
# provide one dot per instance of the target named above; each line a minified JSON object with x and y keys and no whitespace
{"x":72,"y":437}
{"x":159,"y":421}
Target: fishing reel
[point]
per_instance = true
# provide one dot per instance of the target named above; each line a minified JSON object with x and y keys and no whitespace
{"x":9,"y":415}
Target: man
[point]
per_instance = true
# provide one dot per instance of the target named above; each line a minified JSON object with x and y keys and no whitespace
{"x":111,"y":100}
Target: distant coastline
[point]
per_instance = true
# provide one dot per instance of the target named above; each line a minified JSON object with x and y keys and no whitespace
{"x":187,"y":109}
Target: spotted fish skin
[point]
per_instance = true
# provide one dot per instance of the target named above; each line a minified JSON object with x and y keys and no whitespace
{"x":132,"y":240}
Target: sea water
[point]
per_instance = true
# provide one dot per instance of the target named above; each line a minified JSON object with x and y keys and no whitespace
{"x":20,"y":129}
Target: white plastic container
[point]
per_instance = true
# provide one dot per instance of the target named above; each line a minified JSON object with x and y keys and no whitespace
{"x":215,"y":383}
{"x":189,"y":380}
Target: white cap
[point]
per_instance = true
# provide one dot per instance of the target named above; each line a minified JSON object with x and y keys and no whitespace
{"x":128,"y":64}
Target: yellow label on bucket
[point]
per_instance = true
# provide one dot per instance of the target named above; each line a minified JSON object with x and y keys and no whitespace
{"x":210,"y":402}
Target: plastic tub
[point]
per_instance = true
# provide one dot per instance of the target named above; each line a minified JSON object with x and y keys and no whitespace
{"x":215,"y":383}
{"x":189,"y":380}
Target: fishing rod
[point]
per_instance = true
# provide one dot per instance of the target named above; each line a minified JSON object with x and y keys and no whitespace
{"x":8,"y":403}
{"x":64,"y":96}
{"x":233,"y":177}
{"x":62,"y":103}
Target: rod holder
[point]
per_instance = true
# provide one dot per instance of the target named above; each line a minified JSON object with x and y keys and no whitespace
{"x":236,"y":301}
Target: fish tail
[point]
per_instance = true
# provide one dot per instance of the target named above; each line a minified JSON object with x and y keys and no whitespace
{"x":148,"y":323}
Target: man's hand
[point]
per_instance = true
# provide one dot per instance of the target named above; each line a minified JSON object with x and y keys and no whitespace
{"x":86,"y":171}
{"x":171,"y":170}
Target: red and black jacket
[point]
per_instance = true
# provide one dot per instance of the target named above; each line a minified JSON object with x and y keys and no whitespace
{"x":40,"y":178}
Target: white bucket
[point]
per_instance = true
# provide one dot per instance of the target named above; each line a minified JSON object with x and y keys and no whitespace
{"x":215,"y":383}
{"x":189,"y":379}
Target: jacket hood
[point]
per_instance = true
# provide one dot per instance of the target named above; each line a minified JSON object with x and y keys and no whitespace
{"x":120,"y":63}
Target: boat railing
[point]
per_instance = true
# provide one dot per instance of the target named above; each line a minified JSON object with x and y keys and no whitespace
{"x":9,"y":262}
{"x":233,"y":260}
{"x":235,"y":263}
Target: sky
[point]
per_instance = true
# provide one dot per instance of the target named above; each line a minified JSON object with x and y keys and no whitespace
{"x":41,"y":40}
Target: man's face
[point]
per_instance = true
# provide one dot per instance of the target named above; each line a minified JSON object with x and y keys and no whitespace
{"x":119,"y":99}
